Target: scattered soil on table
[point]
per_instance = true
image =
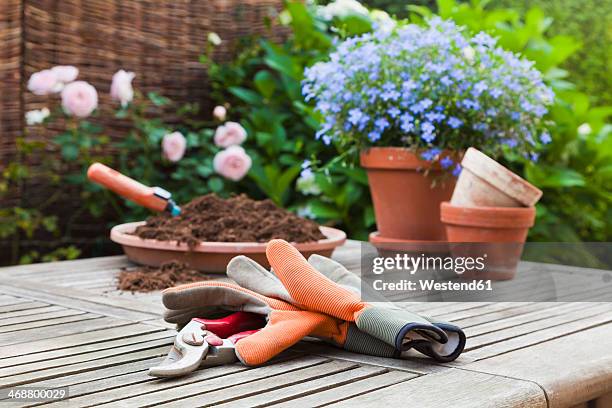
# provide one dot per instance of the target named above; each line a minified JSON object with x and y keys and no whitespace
{"x":236,"y":219}
{"x":149,"y":278}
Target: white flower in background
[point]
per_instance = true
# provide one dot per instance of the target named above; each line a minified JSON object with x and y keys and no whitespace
{"x":121,"y":88}
{"x":173,"y":146}
{"x":383,"y":19}
{"x":220,"y":113}
{"x":36,"y":117}
{"x":230,"y":134}
{"x":469,"y":53}
{"x":65,"y":73}
{"x":214,"y":39}
{"x":44,"y":82}
{"x":584,"y":129}
{"x":306,"y":183}
{"x":305,"y":211}
{"x":232,"y":163}
{"x":79,"y":99}
{"x":341,"y":9}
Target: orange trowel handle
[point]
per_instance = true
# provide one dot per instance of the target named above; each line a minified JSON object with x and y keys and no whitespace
{"x":126,"y":187}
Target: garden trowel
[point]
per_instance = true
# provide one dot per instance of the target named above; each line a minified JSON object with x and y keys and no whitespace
{"x":153,"y":198}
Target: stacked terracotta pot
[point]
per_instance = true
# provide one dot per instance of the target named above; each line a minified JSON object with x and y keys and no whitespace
{"x":490,"y":205}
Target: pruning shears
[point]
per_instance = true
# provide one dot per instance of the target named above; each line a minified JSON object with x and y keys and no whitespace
{"x":154,"y":198}
{"x":207,"y":343}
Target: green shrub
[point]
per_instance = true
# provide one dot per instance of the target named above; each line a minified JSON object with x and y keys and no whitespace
{"x":591,"y":22}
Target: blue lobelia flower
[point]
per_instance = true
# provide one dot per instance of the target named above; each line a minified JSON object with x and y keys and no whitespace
{"x":454,"y":122}
{"x":406,"y":122}
{"x":545,"y":137}
{"x":381,"y":124}
{"x":374,"y":136}
{"x":394,"y":112}
{"x":431,"y":154}
{"x":457,"y":170}
{"x":446,"y":162}
{"x":427,"y":132}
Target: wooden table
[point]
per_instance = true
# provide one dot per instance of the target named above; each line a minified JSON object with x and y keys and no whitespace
{"x":65,"y":324}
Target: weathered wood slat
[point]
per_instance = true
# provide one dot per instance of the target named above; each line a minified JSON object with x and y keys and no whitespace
{"x":95,"y":323}
{"x":571,"y":368}
{"x":237,"y":387}
{"x":47,"y":323}
{"x":413,"y":365}
{"x":84,"y":301}
{"x":528,"y":317}
{"x":19,"y":320}
{"x":100,"y":374}
{"x":205,"y":379}
{"x":517,"y":309}
{"x":87,"y":337}
{"x":602,"y":313}
{"x":6,"y":300}
{"x":454,"y":388}
{"x":4,"y":310}
{"x":29,"y":312}
{"x":541,"y":336}
{"x":307,"y":387}
{"x":80,"y":349}
{"x":346,"y":391}
{"x":27,"y":378}
{"x":80,"y":358}
{"x":77,"y":265}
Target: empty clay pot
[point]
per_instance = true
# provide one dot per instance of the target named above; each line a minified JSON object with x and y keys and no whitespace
{"x":483,"y":182}
{"x":498,"y":232}
{"x":406,"y":204}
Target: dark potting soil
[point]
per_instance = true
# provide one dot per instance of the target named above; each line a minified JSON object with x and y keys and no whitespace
{"x":149,"y":278}
{"x":235,"y":219}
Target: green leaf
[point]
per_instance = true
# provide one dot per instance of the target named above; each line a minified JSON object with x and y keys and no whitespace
{"x":70,"y":152}
{"x":324,"y":210}
{"x":204,"y":170}
{"x":157,"y":99}
{"x":246,"y":95}
{"x":265,"y":83}
{"x":215,"y":184}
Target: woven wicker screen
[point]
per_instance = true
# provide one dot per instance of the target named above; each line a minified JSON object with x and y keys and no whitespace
{"x":159,"y":40}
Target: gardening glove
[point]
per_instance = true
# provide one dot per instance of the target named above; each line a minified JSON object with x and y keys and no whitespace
{"x":398,"y":328}
{"x":337,"y":273}
{"x":251,"y":275}
{"x":285,"y":323}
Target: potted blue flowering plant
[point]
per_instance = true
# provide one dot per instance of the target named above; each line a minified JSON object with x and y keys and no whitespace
{"x":411,"y":99}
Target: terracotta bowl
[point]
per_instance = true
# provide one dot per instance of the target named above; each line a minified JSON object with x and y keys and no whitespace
{"x":210,"y":256}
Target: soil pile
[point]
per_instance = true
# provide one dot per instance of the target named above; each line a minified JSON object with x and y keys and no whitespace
{"x":149,"y":278}
{"x":236,"y":219}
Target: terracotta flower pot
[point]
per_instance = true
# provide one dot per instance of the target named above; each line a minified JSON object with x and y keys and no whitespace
{"x":406,"y":204}
{"x":498,"y":232}
{"x":483,"y":182}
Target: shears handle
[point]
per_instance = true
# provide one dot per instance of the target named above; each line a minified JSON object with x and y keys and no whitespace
{"x":154,"y":198}
{"x":232,"y":324}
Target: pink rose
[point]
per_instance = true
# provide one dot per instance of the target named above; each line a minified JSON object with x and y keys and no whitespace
{"x":220,"y":113}
{"x":121,"y":87}
{"x":65,"y":73}
{"x":173,"y":146}
{"x":79,"y":99}
{"x":44,"y":82}
{"x":232,"y":163}
{"x":230,"y":134}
